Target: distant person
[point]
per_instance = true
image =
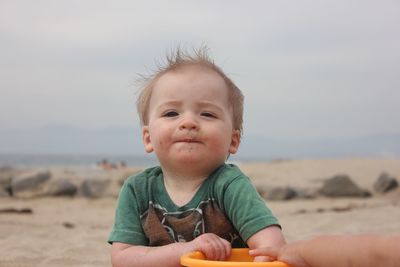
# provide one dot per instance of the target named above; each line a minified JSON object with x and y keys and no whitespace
{"x":365,"y":250}
{"x":106,"y":165}
{"x":191,"y":116}
{"x":120,"y":165}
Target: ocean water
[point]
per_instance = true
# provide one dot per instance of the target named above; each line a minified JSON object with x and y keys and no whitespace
{"x":51,"y":160}
{"x":82,"y":160}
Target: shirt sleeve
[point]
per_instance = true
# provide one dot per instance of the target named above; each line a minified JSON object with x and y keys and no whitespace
{"x":127,"y":226}
{"x":245,"y":208}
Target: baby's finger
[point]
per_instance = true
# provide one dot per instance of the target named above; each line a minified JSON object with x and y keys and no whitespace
{"x":227,"y":249}
{"x":265,"y":251}
{"x":212,"y":248}
{"x":224,"y":249}
{"x":263,"y":259}
{"x":210,"y":251}
{"x":217,"y":248}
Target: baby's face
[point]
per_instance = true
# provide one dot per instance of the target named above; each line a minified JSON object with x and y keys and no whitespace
{"x":190,"y":120}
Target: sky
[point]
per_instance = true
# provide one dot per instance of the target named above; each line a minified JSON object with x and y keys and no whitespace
{"x":308,"y":69}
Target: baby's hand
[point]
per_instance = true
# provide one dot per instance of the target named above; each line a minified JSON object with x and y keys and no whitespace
{"x":213,"y":246}
{"x":289,"y":253}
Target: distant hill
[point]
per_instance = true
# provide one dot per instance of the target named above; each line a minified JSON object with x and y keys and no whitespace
{"x":71,"y":140}
{"x":384,"y":145}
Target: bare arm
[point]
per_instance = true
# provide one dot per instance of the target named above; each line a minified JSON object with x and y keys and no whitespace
{"x":268,"y":237}
{"x":341,"y":250}
{"x":124,"y":255}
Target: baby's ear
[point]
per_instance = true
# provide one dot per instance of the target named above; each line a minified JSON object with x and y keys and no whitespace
{"x":148,"y":146}
{"x":235,"y":142}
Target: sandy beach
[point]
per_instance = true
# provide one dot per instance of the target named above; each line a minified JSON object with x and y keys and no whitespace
{"x":63,"y":231}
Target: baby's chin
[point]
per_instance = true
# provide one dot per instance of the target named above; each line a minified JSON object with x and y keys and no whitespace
{"x":195,"y":163}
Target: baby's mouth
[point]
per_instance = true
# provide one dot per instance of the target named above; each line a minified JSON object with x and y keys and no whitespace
{"x":188,"y":140}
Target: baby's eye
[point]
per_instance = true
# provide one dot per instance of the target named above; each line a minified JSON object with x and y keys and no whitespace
{"x":170,"y":114}
{"x":208,"y":114}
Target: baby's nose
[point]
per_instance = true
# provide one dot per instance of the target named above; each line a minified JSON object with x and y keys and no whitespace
{"x":188,"y":123}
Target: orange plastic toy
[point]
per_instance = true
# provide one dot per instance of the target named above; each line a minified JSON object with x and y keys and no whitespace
{"x":239,"y":258}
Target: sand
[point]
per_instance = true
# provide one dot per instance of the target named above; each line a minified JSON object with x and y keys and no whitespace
{"x":73,"y":231}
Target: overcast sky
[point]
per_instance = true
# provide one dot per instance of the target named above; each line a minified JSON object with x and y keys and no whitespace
{"x":307,"y":68}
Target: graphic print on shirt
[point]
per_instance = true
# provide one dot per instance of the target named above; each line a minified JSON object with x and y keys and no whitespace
{"x":162,"y":227}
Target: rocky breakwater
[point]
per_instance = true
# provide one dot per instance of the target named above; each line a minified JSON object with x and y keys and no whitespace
{"x":69,"y":182}
{"x":93,"y":182}
{"x":337,"y":186}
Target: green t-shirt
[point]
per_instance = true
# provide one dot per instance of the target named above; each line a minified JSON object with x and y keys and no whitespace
{"x":226,"y":204}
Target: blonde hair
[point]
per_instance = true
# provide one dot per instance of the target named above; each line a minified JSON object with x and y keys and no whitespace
{"x":178,"y":59}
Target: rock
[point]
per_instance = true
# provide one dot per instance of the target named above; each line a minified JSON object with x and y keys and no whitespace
{"x":306,"y":193}
{"x":68,"y":225}
{"x":30,"y":184}
{"x":279,"y":193}
{"x":342,"y":186}
{"x":6,"y":172}
{"x":385,"y":183}
{"x":95,"y":188}
{"x":285,"y":193}
{"x":62,"y":187}
{"x":16,"y":210}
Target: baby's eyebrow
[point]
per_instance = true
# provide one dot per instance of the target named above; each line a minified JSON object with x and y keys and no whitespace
{"x":179,"y":103}
{"x":206,"y":104}
{"x":173,"y":103}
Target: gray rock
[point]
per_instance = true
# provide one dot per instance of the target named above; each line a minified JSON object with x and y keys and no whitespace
{"x":30,"y":184}
{"x":385,"y":183}
{"x":342,"y":186}
{"x":279,"y":193}
{"x":306,"y":193}
{"x":6,"y":172}
{"x":94,"y":188}
{"x":62,"y":187}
